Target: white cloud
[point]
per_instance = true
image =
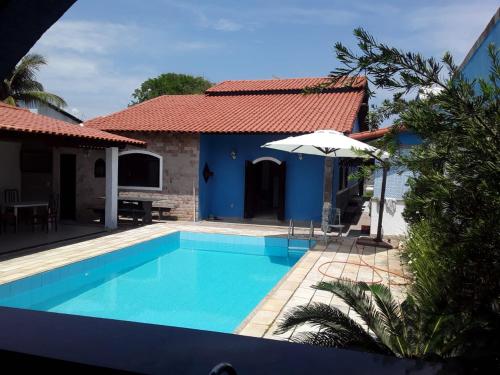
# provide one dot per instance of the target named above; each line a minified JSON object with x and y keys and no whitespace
{"x":91,"y":85}
{"x":83,"y":65}
{"x":185,"y":46}
{"x":312,"y":15}
{"x":451,"y":28}
{"x":88,"y":36}
{"x":224,"y":24}
{"x":204,"y":19}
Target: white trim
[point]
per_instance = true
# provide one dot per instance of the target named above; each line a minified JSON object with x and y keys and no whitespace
{"x":160,"y":188}
{"x":267,"y":158}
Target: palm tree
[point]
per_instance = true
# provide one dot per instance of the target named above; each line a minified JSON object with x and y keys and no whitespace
{"x":23,"y":86}
{"x":388,"y":327}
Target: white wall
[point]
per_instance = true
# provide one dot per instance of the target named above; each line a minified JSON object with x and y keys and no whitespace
{"x":393,"y":223}
{"x":43,"y":109}
{"x":10,"y":171}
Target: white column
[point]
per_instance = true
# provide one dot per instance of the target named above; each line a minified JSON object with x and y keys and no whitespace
{"x":111,"y":210}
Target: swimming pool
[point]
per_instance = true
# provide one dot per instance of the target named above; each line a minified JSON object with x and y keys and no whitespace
{"x":185,"y":279}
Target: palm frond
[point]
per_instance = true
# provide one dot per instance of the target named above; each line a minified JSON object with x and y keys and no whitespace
{"x":391,"y":316}
{"x":355,"y":296}
{"x":27,"y":68}
{"x":41,"y":97}
{"x":343,"y":331}
{"x":325,"y":339}
{"x":26,"y":85}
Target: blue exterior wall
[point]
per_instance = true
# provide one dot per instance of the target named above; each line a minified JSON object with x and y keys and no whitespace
{"x":479,"y":64}
{"x":396,"y":185}
{"x":223,"y":195}
{"x":355,"y":128}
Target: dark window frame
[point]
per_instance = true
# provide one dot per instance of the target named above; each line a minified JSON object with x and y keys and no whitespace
{"x":132,"y":181}
{"x":100,"y":168}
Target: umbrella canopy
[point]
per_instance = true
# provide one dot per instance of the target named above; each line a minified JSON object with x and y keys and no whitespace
{"x":334,"y":144}
{"x":329,"y":143}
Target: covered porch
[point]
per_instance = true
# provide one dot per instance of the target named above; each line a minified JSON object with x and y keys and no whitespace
{"x":39,"y":189}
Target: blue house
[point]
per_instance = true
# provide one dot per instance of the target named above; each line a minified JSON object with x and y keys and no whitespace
{"x":204,"y":159}
{"x":475,"y":65}
{"x":477,"y":62}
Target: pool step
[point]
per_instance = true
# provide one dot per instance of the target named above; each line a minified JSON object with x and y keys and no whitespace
{"x":296,"y":253}
{"x":293,"y":236}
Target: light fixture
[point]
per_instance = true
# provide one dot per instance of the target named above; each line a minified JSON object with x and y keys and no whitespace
{"x":301,"y":156}
{"x":233,"y":154}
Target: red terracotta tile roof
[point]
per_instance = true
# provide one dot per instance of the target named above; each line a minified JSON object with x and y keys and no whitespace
{"x":256,"y":111}
{"x":373,"y":134}
{"x":17,"y":119}
{"x":289,"y":84}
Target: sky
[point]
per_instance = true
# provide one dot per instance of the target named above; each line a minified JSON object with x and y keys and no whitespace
{"x":100,"y":51}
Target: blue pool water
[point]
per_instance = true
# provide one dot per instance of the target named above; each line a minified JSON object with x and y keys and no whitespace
{"x":194,"y":280}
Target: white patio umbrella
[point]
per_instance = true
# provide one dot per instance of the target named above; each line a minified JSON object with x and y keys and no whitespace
{"x":329,"y":143}
{"x":334,"y":144}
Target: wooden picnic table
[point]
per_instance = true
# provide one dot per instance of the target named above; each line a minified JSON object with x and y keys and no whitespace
{"x":146,"y":203}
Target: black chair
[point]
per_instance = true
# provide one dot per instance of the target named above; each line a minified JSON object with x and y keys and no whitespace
{"x":7,"y":215}
{"x":53,"y":212}
{"x":49,"y":216}
{"x":6,"y":219}
{"x":10,"y":195}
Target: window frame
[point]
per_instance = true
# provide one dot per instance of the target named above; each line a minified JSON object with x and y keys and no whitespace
{"x":103,"y":175}
{"x":149,"y":188}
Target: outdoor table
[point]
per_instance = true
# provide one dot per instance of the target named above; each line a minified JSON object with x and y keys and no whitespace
{"x":26,"y":204}
{"x":147,"y":205}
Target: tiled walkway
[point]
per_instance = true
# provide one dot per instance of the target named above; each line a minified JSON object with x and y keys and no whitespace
{"x":26,"y":238}
{"x":295,"y":289}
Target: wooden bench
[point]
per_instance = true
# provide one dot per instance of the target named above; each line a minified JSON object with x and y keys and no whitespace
{"x":161,"y":211}
{"x":134,"y":213}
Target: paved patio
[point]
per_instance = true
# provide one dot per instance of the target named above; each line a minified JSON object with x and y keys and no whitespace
{"x":315,"y":266}
{"x":26,"y":238}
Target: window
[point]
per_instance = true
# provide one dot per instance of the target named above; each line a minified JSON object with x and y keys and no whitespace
{"x":100,"y":168}
{"x":36,"y":161}
{"x":141,"y":170}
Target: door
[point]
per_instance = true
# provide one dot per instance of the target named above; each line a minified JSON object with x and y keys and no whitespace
{"x":281,"y":190}
{"x":68,"y":186}
{"x":250,"y":187}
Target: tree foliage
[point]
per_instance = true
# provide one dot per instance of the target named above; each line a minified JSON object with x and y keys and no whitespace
{"x":23,"y":86}
{"x":388,"y":327}
{"x":453,"y":202}
{"x":170,"y":84}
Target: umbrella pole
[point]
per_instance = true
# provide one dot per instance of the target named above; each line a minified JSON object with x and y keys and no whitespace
{"x":381,"y":206}
{"x":327,"y":192}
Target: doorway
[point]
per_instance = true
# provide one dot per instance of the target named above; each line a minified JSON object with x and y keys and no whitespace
{"x":265,"y":189}
{"x":67,"y":189}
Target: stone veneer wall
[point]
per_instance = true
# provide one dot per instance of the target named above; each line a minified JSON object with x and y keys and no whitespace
{"x":180,"y":175}
{"x":181,"y":154}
